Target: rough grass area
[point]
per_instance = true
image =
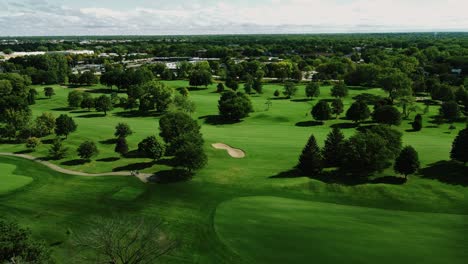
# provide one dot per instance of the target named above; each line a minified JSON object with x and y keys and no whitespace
{"x":278,"y":230}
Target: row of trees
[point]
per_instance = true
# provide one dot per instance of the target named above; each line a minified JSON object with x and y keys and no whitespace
{"x":369,"y":151}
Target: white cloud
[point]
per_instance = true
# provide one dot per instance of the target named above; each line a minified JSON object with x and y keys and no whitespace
{"x":28,"y":17}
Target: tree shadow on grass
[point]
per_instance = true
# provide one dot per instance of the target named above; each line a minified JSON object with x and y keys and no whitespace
{"x":63,"y":109}
{"x":195,"y":89}
{"x":217,"y":120}
{"x":302,"y":100}
{"x":26,"y":151}
{"x":74,"y":162}
{"x":170,"y":176}
{"x":135,"y":154}
{"x":100,"y":91}
{"x":110,"y":159}
{"x":450,"y":172}
{"x":91,"y":115}
{"x":309,"y":123}
{"x":136,"y":113}
{"x":134,"y":166}
{"x":344,"y":125}
{"x":80,"y":111}
{"x":110,"y":141}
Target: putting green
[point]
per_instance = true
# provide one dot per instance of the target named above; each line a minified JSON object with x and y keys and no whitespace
{"x":279,"y":230}
{"x":10,"y":181}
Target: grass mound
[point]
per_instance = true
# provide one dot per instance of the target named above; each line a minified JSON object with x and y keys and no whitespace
{"x":279,"y":230}
{"x":9,"y":181}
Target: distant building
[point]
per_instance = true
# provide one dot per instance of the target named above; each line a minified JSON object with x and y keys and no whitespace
{"x":457,"y":71}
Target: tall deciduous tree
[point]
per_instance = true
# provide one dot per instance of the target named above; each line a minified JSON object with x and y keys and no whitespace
{"x":87,"y":150}
{"x":152,"y":148}
{"x":387,"y":114}
{"x":359,"y":111}
{"x":407,"y":162}
{"x":64,"y":125}
{"x":312,"y":89}
{"x":234,"y":106}
{"x":339,"y":90}
{"x":337,"y":107}
{"x":103,"y":104}
{"x":321,"y":111}
{"x":123,"y":130}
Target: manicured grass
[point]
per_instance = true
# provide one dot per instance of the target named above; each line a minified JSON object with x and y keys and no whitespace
{"x":278,"y":230}
{"x":9,"y":181}
{"x":54,"y":203}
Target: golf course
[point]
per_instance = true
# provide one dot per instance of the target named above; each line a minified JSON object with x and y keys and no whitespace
{"x":244,"y":206}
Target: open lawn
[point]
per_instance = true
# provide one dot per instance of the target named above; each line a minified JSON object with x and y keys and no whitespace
{"x":279,"y":230}
{"x":11,"y":181}
{"x":55,"y":205}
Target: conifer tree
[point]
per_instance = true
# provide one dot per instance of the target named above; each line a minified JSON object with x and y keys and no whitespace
{"x":310,"y":161}
{"x":333,"y":149}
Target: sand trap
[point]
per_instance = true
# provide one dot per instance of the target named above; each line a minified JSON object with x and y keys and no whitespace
{"x":233,"y":152}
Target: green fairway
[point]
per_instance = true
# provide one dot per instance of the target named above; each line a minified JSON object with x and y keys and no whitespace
{"x":9,"y":181}
{"x":421,"y":218}
{"x":279,"y":230}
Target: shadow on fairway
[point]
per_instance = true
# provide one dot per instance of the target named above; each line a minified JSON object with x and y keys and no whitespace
{"x":111,"y":141}
{"x":91,"y":115}
{"x":63,"y":109}
{"x":450,"y":172}
{"x":217,"y":120}
{"x":344,"y":125}
{"x":80,"y":111}
{"x":74,"y":162}
{"x":134,"y":166}
{"x":27,"y":151}
{"x":136,"y":113}
{"x":302,"y":100}
{"x":309,"y":123}
{"x":170,"y":176}
{"x":111,"y":159}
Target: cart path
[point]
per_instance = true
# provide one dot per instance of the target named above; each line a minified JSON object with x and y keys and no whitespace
{"x":142,"y":176}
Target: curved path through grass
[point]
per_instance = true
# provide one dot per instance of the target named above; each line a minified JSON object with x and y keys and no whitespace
{"x":142,"y":176}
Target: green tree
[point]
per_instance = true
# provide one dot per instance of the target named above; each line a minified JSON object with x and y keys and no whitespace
{"x":190,"y":156}
{"x":17,"y":245}
{"x":49,"y":92}
{"x":387,"y":114}
{"x":57,"y":151}
{"x":311,"y":160}
{"x":87,"y":150}
{"x":64,"y":125}
{"x":407,"y":162}
{"x":277,"y":93}
{"x":396,"y":83}
{"x":460,"y":146}
{"x":176,"y":124}
{"x":32,"y":143}
{"x":44,"y":125}
{"x":103,"y":104}
{"x":312,"y":89}
{"x":220,"y":88}
{"x":121,"y":146}
{"x":333,"y":150}
{"x":200,"y":78}
{"x":364,"y":154}
{"x":339,"y":90}
{"x":359,"y":111}
{"x":290,"y":89}
{"x":234,"y":106}
{"x":87,"y":102}
{"x":450,"y":110}
{"x":337,"y":107}
{"x":417,"y":123}
{"x":151,"y":148}
{"x":257,"y":85}
{"x":75,"y":98}
{"x":123,"y":130}
{"x":321,"y":111}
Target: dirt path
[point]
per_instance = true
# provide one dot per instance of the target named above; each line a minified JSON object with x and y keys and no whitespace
{"x":233,"y":152}
{"x":142,"y":176}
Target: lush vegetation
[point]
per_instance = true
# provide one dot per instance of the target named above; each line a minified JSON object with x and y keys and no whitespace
{"x":337,"y":150}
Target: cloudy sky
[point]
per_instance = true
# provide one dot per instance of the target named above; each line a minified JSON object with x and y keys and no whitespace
{"x":161,"y":17}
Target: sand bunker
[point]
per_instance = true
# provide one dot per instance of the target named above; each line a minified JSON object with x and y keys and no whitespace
{"x":233,"y":152}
